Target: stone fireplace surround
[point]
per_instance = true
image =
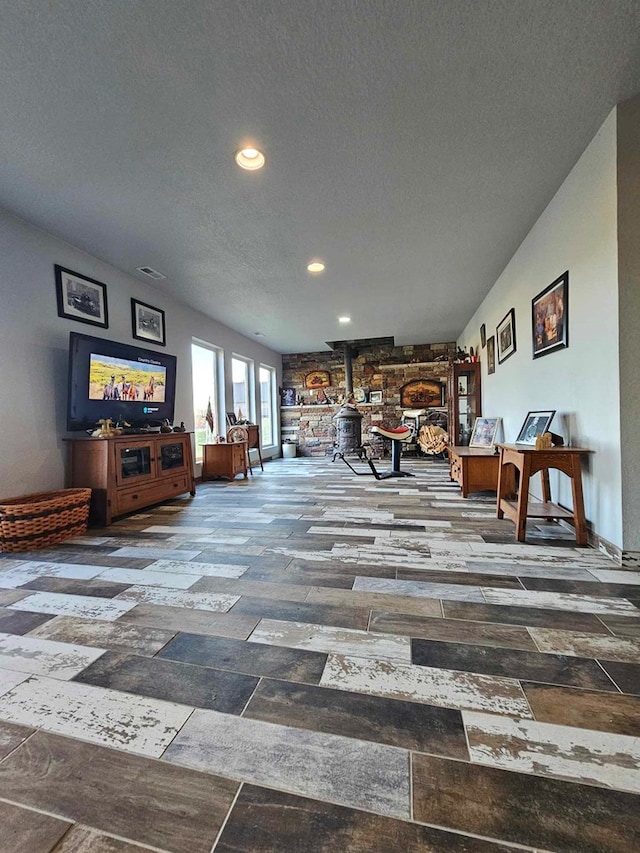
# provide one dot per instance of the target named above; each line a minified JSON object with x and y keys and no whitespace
{"x":376,"y":367}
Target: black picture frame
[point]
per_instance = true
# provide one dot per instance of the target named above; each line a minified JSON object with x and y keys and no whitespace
{"x":491,"y":355}
{"x":231,"y":419}
{"x":535,"y":424}
{"x":81,"y":298}
{"x":288,"y":396}
{"x":148,"y":323}
{"x":550,"y":317}
{"x":506,"y":336}
{"x":483,"y":336}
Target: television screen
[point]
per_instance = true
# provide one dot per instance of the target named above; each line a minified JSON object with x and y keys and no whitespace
{"x":126,"y":383}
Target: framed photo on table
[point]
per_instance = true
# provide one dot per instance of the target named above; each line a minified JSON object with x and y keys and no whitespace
{"x":81,"y":298}
{"x":535,"y":424}
{"x":506,"y":336}
{"x":550,"y":317}
{"x":375,"y":396}
{"x":484,"y":432}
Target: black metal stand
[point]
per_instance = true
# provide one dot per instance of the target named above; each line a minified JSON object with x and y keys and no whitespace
{"x":384,"y":475}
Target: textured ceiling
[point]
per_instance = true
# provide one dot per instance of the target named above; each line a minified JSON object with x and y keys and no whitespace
{"x":411,"y":145}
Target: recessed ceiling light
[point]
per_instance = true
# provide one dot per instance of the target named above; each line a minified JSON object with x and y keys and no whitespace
{"x":259,"y":334}
{"x":344,"y":319}
{"x":250,"y":158}
{"x":315,"y":266}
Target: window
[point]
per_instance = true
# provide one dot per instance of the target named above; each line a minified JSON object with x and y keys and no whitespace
{"x":204,"y":368}
{"x":267,"y":405}
{"x":241,"y":388}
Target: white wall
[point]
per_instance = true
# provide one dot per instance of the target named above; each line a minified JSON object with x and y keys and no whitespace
{"x":629,"y":261}
{"x":34,"y":343}
{"x":576,"y":232}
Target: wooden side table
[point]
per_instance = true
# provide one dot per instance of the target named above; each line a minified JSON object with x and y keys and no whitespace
{"x":476,"y":469}
{"x":224,"y":460}
{"x":528,"y":461}
{"x":254,"y":440}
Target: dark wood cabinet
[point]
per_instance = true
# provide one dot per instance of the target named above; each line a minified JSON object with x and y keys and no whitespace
{"x":463,"y":401}
{"x":127,"y":473}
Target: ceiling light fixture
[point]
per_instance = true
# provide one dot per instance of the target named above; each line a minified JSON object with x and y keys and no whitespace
{"x":315,"y":266}
{"x":259,"y":334}
{"x":344,"y":319}
{"x":250,"y":159}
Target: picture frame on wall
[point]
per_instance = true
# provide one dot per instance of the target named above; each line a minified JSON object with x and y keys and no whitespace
{"x":375,"y":396}
{"x":550,"y":317}
{"x":484,"y":432}
{"x":148,"y":323}
{"x":483,"y":336}
{"x":491,"y":355}
{"x":535,"y":424}
{"x":506,"y":336}
{"x":317,"y":379}
{"x":81,"y":298}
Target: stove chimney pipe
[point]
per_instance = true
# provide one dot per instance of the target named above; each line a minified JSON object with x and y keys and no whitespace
{"x":348,"y":372}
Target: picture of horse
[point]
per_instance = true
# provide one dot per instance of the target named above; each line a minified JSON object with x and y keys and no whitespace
{"x":119,"y":379}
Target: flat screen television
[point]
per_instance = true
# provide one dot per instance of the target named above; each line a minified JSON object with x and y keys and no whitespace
{"x":108,"y":379}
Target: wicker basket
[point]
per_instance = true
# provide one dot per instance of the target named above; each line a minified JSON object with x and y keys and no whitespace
{"x":40,"y":520}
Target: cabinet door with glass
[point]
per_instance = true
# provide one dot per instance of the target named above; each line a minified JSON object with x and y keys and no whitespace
{"x":134,"y":462}
{"x":170,"y":456}
{"x":464,"y":401}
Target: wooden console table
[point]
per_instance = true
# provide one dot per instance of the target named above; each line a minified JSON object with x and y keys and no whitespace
{"x":528,"y":461}
{"x":476,"y":469}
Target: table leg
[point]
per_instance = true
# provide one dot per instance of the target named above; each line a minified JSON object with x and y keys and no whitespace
{"x":579,"y":521}
{"x":546,"y":489}
{"x":523,"y":499}
{"x":501,"y":485}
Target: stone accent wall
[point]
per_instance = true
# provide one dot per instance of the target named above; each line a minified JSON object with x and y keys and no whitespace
{"x":375,"y":368}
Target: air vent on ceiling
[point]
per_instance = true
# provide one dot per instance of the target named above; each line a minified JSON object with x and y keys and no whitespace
{"x":151,"y":272}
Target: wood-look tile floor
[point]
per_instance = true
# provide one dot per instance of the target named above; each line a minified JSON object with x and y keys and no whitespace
{"x":313,"y":661}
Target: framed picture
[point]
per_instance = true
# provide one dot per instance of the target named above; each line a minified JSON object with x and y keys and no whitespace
{"x":81,"y":298}
{"x":375,"y":396}
{"x":317,"y":379}
{"x":231,"y":419}
{"x":148,"y":323}
{"x":550,"y":317}
{"x":288,"y":396}
{"x":535,"y":424}
{"x":484,"y":432}
{"x":359,"y":395}
{"x":506,"y":336}
{"x":483,"y":335}
{"x":491,"y":355}
{"x":422,"y":393}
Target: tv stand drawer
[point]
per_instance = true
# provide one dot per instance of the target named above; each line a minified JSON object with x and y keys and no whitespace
{"x":130,"y":500}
